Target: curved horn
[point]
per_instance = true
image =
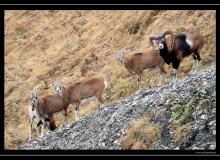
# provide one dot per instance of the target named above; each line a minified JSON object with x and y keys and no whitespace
{"x":167,"y":32}
{"x":30,"y":94}
{"x":169,"y":45}
{"x":122,"y":51}
{"x":51,"y":85}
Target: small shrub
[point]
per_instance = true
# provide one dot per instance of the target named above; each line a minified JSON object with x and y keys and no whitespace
{"x":67,"y":46}
{"x":181,"y":134}
{"x":187,"y":112}
{"x":141,"y":135}
{"x":177,"y":112}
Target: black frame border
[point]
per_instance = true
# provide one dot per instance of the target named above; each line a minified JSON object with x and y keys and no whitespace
{"x":103,"y":7}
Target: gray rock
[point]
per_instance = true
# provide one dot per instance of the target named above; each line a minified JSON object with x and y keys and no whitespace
{"x":212,"y":147}
{"x":199,"y":113}
{"x":212,"y":123}
{"x":204,"y":116}
{"x":116,"y":141}
{"x":214,"y":132}
{"x":103,"y":144}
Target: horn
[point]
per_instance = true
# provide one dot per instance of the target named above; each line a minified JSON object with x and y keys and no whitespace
{"x":170,"y":46}
{"x":30,"y":94}
{"x":36,"y":92}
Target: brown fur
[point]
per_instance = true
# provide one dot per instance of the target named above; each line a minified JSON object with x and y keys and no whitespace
{"x":53,"y":103}
{"x":149,"y":59}
{"x":197,"y":39}
{"x":50,"y":104}
{"x":85,"y":89}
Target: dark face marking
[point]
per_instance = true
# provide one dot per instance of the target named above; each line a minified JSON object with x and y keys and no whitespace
{"x":34,"y":97}
{"x":58,"y":88}
{"x":39,"y":123}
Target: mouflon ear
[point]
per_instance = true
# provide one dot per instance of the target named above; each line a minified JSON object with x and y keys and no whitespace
{"x":151,"y":39}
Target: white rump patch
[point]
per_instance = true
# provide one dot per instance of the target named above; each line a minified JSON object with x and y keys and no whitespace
{"x":106,"y":84}
{"x":189,"y":42}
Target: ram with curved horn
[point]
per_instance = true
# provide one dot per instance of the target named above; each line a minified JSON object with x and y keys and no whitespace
{"x":173,"y":48}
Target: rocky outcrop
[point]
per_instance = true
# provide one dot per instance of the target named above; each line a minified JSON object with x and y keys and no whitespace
{"x":104,"y":128}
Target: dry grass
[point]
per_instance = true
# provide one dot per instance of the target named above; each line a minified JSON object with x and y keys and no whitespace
{"x":181,"y":133}
{"x":56,"y":45}
{"x":141,"y":135}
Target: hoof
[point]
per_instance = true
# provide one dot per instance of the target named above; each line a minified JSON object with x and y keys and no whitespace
{"x":102,"y":106}
{"x":68,"y":126}
{"x":191,"y":72}
{"x":138,"y":91}
{"x":194,"y":71}
{"x":63,"y":126}
{"x":174,"y":78}
{"x":60,"y":128}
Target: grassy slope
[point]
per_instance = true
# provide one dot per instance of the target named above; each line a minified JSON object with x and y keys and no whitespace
{"x":55,"y":45}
